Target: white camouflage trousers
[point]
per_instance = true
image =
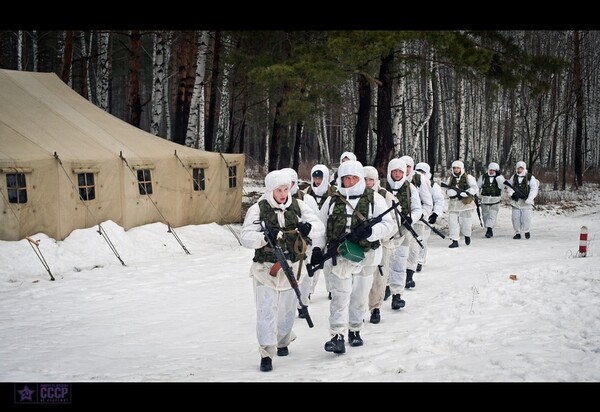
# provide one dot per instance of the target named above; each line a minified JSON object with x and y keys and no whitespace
{"x":275,"y":314}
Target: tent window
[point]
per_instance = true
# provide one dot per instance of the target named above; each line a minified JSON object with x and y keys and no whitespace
{"x":87,"y":188}
{"x":232,"y":176}
{"x":144,"y":181}
{"x":199,"y":182}
{"x":17,"y":187}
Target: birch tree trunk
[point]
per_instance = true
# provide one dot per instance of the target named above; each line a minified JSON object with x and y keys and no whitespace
{"x":159,"y":74}
{"x":104,"y":66}
{"x":461,"y":147}
{"x":85,"y":81}
{"x":35,"y":50}
{"x":20,"y":42}
{"x":579,"y":110}
{"x":195,"y":131}
{"x":427,"y":110}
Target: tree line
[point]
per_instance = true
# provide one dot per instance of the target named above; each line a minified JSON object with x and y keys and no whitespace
{"x":297,"y":98}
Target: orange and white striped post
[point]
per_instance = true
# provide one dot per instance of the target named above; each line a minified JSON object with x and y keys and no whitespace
{"x":583,"y":241}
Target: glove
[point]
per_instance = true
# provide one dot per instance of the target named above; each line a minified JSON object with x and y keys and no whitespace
{"x":514,"y":196}
{"x":271,"y":234}
{"x":304,"y":228}
{"x":432,"y":218}
{"x":529,"y":202}
{"x":465,"y":194}
{"x":317,"y":257}
{"x":451,"y":193}
{"x":407,"y":219}
{"x":359,"y":234}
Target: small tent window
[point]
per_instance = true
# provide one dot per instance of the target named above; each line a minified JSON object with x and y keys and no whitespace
{"x":87,"y":188}
{"x":232,"y":176}
{"x":17,"y":187}
{"x":144,"y":181}
{"x":199,"y":182}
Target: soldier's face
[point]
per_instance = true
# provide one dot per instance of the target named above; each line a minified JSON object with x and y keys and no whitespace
{"x":280,"y":194}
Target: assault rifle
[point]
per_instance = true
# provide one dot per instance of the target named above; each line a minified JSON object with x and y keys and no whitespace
{"x":333,"y":248}
{"x":409,"y":227}
{"x":280,"y":255}
{"x":475,"y":198}
{"x":520,"y":194}
{"x":434,"y":229}
{"x":518,"y":191}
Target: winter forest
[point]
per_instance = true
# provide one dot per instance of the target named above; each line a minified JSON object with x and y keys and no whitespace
{"x":297,"y":98}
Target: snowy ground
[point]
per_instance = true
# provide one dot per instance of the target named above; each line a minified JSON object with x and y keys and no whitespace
{"x":166,"y":316}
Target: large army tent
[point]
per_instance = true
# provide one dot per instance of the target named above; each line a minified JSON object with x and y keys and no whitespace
{"x":66,"y":164}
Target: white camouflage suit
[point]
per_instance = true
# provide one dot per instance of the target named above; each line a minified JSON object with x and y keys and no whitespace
{"x":381,"y":274}
{"x":522,"y":209}
{"x":350,"y":282}
{"x":426,"y":197}
{"x":490,"y":205}
{"x":275,"y":299}
{"x":319,"y":193}
{"x":460,"y":212}
{"x":310,"y":201}
{"x":403,"y":238}
{"x":439,"y":202}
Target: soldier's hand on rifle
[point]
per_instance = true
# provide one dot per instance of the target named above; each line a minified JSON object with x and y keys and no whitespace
{"x":408,"y":219}
{"x":317,"y":258}
{"x":304,"y":228}
{"x":452,"y":193}
{"x":464,"y":194}
{"x":271,"y":235}
{"x":359,"y":234}
{"x":514,"y":196}
{"x":433,"y":218}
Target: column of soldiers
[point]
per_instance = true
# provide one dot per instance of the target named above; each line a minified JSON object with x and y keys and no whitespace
{"x":366,"y":236}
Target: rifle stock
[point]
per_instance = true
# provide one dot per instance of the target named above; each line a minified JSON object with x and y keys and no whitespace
{"x":279,"y":254}
{"x":333,"y":248}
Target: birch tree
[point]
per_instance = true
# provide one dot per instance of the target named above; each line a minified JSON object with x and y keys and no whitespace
{"x":195,"y":132}
{"x":104,"y":65}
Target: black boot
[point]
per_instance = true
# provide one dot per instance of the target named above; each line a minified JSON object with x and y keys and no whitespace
{"x":454,"y":244}
{"x":410,"y":283}
{"x":467,"y":240}
{"x":266,"y":365}
{"x":336,"y":344}
{"x":397,"y":303}
{"x":375,"y":316}
{"x":517,"y":236}
{"x":419,"y":267}
{"x":489,"y":233}
{"x":283,"y":351}
{"x":355,"y":339}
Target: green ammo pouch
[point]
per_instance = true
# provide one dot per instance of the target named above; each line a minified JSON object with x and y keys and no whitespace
{"x":351,"y":251}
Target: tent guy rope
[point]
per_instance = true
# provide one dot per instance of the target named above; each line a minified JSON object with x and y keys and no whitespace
{"x":170,"y":229}
{"x":100,"y":230}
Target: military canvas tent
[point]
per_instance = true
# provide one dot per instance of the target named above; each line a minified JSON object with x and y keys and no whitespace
{"x":66,"y":164}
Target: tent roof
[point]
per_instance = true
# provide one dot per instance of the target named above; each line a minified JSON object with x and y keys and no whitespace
{"x":40,"y":115}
